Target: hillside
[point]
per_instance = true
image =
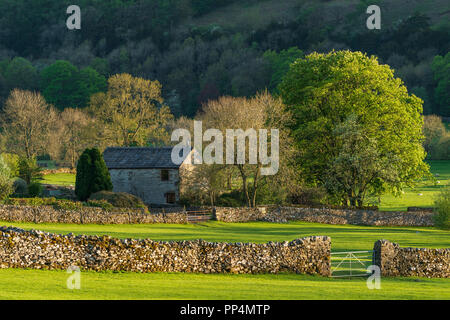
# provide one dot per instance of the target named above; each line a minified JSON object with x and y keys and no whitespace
{"x":202,"y":49}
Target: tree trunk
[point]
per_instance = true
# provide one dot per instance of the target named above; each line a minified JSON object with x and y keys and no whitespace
{"x":244,"y":185}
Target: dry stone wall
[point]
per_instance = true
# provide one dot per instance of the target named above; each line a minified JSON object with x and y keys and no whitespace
{"x":40,"y":250}
{"x":411,"y":262}
{"x":92,"y":215}
{"x":86,"y":215}
{"x":325,"y":215}
{"x":240,"y":214}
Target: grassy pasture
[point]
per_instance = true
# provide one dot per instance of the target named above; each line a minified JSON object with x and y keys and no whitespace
{"x":40,"y":284}
{"x":60,"y":179}
{"x":427,"y":188}
{"x":343,"y":237}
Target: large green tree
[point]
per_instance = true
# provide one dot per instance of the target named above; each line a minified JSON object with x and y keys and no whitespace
{"x":21,"y":74}
{"x":279,"y":64}
{"x":66,"y":87}
{"x":441,"y":69}
{"x":323,"y":92}
{"x":131,"y":112}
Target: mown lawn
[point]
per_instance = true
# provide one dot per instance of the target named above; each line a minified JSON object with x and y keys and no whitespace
{"x":39,"y":284}
{"x":424,"y":194}
{"x":60,"y":179}
{"x":343,"y":237}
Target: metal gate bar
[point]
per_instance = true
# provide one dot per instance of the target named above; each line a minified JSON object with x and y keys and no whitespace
{"x":350,"y":264}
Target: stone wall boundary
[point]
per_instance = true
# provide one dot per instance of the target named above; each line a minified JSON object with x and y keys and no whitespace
{"x":411,"y":262}
{"x":283,"y":214}
{"x":40,"y":250}
{"x":86,"y":215}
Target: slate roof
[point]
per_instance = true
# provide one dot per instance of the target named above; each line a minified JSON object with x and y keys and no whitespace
{"x":139,"y":158}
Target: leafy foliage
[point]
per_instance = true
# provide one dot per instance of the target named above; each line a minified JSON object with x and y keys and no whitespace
{"x":131,"y":112}
{"x":29,"y":170}
{"x":442,"y":218}
{"x":441,"y":69}
{"x":20,"y":187}
{"x":118,"y":199}
{"x":34,"y":189}
{"x":92,"y":174}
{"x":66,"y":87}
{"x":6,"y":183}
{"x":352,"y":120}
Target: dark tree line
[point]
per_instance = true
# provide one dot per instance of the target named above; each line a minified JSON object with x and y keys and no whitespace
{"x":155,"y":39}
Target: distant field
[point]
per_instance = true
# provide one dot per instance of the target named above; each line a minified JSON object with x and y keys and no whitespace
{"x":428,"y":190}
{"x":61,"y":179}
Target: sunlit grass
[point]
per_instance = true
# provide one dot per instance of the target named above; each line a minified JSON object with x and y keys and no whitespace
{"x":61,"y":179}
{"x":424,"y":194}
{"x":39,"y":284}
{"x":343,"y":237}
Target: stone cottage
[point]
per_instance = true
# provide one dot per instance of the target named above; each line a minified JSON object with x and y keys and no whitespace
{"x":146,"y":172}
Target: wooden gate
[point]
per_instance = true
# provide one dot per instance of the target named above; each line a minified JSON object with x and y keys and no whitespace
{"x":199,"y":216}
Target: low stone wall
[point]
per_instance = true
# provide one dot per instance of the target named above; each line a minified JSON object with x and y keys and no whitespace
{"x":325,"y":215}
{"x":86,"y":215}
{"x":59,"y":170}
{"x":242,"y":214}
{"x":411,"y":262}
{"x":39,"y":250}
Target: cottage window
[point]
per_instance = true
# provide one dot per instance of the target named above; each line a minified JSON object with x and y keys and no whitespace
{"x":164,"y":175}
{"x":170,"y":197}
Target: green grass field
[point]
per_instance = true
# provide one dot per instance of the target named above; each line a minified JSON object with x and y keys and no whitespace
{"x":343,"y":237}
{"x":39,"y":284}
{"x":427,"y":188}
{"x":61,"y":179}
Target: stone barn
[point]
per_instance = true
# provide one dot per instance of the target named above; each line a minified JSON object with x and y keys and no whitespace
{"x":146,"y":172}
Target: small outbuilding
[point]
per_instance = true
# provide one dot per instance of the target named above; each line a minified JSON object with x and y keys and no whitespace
{"x":146,"y":172}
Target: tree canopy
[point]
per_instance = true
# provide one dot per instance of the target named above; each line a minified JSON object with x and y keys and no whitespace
{"x":92,"y":174}
{"x":325,"y":91}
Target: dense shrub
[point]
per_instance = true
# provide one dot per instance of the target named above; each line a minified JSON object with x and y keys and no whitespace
{"x":20,"y":187}
{"x":119,"y":199}
{"x":12,"y":161}
{"x":6,"y":183}
{"x":308,"y":196}
{"x":92,"y":174}
{"x":437,"y":138}
{"x":56,"y":203}
{"x":34,"y":189}
{"x":6,"y":187}
{"x":231,"y":199}
{"x":442,"y":217}
{"x":67,"y":205}
{"x":100,"y":204}
{"x":31,"y":201}
{"x":29,"y":170}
